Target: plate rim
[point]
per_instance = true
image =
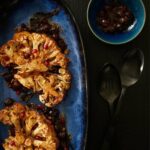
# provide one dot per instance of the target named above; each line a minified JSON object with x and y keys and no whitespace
{"x":85,"y":73}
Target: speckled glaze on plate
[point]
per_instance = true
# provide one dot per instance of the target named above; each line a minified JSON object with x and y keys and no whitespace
{"x":74,"y":106}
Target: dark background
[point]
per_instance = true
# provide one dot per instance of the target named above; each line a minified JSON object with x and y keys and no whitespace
{"x":132,"y":128}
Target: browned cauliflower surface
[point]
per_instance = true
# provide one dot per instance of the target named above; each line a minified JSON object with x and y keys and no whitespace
{"x":32,"y":130}
{"x":40,"y":65}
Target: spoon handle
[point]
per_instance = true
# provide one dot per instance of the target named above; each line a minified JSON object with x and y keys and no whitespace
{"x":119,"y":103}
{"x":111,"y":109}
{"x":108,"y":138}
{"x":111,"y":128}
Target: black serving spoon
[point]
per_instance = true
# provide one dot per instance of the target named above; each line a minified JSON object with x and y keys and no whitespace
{"x":110,"y":89}
{"x":130,"y":72}
{"x":109,"y":85}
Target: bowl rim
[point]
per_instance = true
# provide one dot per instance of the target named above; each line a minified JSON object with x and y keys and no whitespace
{"x":121,"y":42}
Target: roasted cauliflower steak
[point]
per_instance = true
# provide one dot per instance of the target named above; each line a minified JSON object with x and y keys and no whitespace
{"x":40,"y":65}
{"x":32,"y":130}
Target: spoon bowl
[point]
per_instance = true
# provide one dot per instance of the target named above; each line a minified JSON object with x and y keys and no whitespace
{"x":132,"y":67}
{"x":136,"y":7}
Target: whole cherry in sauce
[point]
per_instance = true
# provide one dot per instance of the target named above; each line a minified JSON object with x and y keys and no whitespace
{"x":115,"y":17}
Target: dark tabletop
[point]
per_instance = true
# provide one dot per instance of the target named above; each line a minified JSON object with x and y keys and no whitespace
{"x":132,"y":126}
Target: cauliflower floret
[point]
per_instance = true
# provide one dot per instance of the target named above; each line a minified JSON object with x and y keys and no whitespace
{"x":31,"y":129}
{"x":36,"y":56}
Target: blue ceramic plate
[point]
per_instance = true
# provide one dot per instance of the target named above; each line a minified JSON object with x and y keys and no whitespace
{"x":138,"y":10}
{"x":74,"y":106}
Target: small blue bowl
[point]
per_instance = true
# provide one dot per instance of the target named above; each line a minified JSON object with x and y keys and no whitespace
{"x":138,"y":10}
